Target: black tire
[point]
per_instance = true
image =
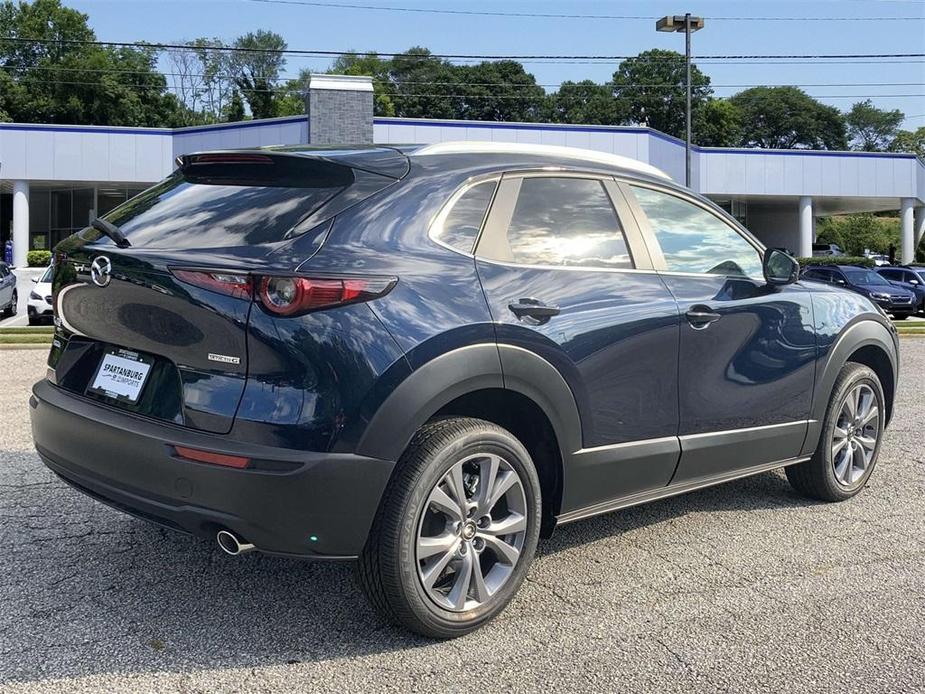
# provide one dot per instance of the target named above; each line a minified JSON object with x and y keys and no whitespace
{"x":816,"y":478}
{"x":388,"y":569}
{"x":900,"y":316}
{"x":35,"y":320}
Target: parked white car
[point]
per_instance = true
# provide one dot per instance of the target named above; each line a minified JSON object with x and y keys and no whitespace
{"x":39,"y":306}
{"x":880,"y":260}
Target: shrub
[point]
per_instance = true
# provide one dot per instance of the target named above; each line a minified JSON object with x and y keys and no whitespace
{"x":38,"y":258}
{"x":837,"y":260}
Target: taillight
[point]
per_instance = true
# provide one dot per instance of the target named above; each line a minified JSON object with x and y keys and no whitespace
{"x":288,"y":296}
{"x":238,"y":285}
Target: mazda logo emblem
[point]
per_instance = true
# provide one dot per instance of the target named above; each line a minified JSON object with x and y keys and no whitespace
{"x":101,"y":271}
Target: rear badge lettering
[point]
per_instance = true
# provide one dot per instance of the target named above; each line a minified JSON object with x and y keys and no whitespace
{"x":224,"y":359}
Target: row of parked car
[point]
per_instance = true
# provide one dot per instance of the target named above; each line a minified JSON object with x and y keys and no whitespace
{"x":897,"y":289}
{"x":39,"y":304}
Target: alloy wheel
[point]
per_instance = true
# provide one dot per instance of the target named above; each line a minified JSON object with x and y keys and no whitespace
{"x":854,"y":439}
{"x":471,"y":532}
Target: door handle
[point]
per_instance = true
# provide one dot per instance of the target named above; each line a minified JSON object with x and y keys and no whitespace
{"x":533,"y":308}
{"x":701,"y":316}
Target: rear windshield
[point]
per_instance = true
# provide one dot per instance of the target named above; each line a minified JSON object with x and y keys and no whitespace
{"x":225,"y":204}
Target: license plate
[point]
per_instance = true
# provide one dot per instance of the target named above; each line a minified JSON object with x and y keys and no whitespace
{"x":121,"y":375}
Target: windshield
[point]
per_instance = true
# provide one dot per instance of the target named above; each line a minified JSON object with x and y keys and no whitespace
{"x":859,"y":276}
{"x":46,"y":276}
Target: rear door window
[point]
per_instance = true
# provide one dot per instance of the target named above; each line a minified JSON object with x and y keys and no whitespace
{"x":563,"y":221}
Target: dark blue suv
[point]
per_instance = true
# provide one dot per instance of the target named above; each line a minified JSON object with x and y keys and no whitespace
{"x":425,"y":358}
{"x":892,"y":298}
{"x":909,"y":277}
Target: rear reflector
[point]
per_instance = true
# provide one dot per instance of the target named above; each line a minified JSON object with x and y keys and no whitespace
{"x":235,"y":461}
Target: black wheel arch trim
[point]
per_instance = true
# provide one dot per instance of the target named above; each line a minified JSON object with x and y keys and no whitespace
{"x":864,"y":331}
{"x":465,"y":370}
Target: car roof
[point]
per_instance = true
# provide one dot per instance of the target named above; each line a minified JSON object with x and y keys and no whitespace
{"x":552,"y":153}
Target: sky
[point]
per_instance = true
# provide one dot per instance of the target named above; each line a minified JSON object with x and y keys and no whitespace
{"x":814,"y":30}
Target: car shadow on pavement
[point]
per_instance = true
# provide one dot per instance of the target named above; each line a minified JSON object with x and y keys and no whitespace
{"x":92,"y":591}
{"x":765,"y":491}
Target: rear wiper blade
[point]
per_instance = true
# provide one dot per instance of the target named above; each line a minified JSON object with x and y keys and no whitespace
{"x":111,"y":230}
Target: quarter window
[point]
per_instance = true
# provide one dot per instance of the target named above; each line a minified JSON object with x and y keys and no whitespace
{"x":459,"y":225}
{"x":695,"y":240}
{"x":564,"y":221}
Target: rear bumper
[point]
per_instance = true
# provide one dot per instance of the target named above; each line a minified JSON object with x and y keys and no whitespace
{"x":129,"y":463}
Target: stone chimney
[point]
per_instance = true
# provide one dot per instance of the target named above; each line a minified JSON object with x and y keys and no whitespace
{"x":340,"y":110}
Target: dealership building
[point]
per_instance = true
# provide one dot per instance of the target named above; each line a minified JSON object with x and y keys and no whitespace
{"x":55,"y":178}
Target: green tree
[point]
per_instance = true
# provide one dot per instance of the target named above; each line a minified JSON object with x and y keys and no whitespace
{"x":871,"y":129}
{"x":788,"y":118}
{"x":256,"y":67}
{"x":856,"y":233}
{"x":717,"y":123}
{"x":425,"y":86}
{"x":46,"y":20}
{"x":217,"y":87}
{"x":910,"y":141}
{"x":586,"y":102}
{"x":291,"y":100}
{"x":52,"y":80}
{"x":234,"y":111}
{"x":498,"y":91}
{"x":371,"y":65}
{"x":652,"y":88}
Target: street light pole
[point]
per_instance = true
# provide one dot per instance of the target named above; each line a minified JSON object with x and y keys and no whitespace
{"x":688,"y":25}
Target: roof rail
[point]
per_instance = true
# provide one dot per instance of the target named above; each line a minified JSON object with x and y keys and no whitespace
{"x":588,"y":155}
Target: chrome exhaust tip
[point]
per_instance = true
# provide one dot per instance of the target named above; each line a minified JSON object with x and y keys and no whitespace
{"x":232,"y":544}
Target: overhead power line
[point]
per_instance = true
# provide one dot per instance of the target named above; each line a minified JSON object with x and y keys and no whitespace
{"x":556,"y":15}
{"x":513,"y":85}
{"x":469,"y":95}
{"x":448,"y":56}
{"x":519,"y":85}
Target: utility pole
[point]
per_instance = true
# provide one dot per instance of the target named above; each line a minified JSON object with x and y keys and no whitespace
{"x":688,"y":25}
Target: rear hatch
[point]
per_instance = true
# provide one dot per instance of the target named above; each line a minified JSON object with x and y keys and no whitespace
{"x":134,"y":332}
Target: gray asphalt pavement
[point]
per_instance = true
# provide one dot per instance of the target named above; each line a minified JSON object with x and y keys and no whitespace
{"x":743,"y":587}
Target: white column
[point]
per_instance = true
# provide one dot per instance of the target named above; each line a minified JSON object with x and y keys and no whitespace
{"x":919,"y":226}
{"x":20,"y":222}
{"x":806,"y":226}
{"x":905,"y":230}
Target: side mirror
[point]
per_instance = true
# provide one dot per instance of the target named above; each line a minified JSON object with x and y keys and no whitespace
{"x":35,"y":280}
{"x":779,"y":267}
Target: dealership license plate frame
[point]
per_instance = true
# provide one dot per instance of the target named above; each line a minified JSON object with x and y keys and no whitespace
{"x":127,"y":393}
